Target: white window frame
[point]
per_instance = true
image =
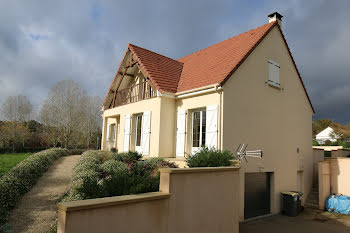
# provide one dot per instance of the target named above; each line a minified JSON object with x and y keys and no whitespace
{"x":112,"y":132}
{"x":138,"y":148}
{"x":195,"y":149}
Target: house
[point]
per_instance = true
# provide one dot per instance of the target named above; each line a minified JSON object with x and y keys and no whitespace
{"x":246,"y":89}
{"x":327,"y":134}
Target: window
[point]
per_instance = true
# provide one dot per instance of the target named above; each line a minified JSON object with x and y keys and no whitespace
{"x":138,"y":130}
{"x":274,"y":74}
{"x":112,"y":131}
{"x":199,"y":128}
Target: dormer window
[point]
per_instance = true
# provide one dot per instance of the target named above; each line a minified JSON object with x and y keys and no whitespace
{"x":274,"y":74}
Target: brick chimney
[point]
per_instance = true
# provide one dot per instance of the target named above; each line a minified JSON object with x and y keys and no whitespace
{"x":275,"y":17}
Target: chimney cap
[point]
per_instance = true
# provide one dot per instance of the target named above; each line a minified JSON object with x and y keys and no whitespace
{"x":278,"y":15}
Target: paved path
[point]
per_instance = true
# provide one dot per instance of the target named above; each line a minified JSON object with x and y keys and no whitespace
{"x":309,"y":221}
{"x":36,"y":211}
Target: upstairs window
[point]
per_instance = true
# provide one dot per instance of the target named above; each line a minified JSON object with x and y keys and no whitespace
{"x":274,"y":74}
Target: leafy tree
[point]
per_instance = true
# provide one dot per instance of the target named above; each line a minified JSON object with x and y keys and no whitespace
{"x":319,"y":125}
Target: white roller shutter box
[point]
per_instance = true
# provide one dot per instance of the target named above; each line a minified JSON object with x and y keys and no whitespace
{"x":146,"y":132}
{"x":274,"y":73}
{"x":181,"y":133}
{"x":127,"y":125}
{"x":211,"y":134}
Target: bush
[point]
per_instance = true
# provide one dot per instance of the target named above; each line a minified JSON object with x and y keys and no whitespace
{"x":23,"y":176}
{"x":128,"y":157}
{"x":76,"y":151}
{"x":210,"y":157}
{"x":315,"y":143}
{"x":98,"y":174}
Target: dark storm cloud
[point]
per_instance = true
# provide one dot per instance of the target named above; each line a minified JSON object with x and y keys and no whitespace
{"x":41,"y":44}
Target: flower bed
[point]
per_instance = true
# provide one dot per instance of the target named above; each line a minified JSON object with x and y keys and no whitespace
{"x":19,"y":180}
{"x":103,"y":174}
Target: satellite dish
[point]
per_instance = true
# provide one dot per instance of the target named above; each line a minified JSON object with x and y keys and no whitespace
{"x":242,"y":153}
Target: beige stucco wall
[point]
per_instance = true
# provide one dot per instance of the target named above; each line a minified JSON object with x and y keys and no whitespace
{"x":163,"y":121}
{"x":334,"y":176}
{"x":197,"y":102}
{"x":276,"y":121}
{"x":318,"y":155}
{"x":196,"y":200}
{"x":153,"y":105}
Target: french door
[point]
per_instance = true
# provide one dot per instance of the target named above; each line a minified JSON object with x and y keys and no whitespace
{"x":198,"y":130}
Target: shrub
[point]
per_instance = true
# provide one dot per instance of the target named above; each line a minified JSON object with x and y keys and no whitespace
{"x":210,"y":157}
{"x":76,"y":151}
{"x":99,"y":175}
{"x":128,"y":157}
{"x":315,"y":143}
{"x":23,"y":176}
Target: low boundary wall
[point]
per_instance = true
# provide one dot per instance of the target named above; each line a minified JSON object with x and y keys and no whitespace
{"x":190,"y":200}
{"x":333,"y":177}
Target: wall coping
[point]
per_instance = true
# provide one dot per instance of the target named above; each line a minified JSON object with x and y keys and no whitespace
{"x":110,"y":201}
{"x":336,"y":158}
{"x":198,"y":169}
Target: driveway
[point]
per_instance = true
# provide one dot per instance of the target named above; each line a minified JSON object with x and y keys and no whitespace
{"x":309,"y":221}
{"x":37,"y":209}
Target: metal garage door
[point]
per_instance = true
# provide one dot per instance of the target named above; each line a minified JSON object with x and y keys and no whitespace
{"x":256,"y":194}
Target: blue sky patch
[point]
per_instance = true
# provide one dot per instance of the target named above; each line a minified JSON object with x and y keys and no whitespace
{"x":38,"y":37}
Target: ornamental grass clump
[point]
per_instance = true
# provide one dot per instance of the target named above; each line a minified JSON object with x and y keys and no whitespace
{"x":97,"y":175}
{"x":20,"y":179}
{"x":210,"y":157}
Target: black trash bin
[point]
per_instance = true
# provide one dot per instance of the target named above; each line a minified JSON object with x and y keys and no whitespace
{"x":291,"y":203}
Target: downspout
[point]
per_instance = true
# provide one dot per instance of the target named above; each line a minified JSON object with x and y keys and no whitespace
{"x":220,"y":90}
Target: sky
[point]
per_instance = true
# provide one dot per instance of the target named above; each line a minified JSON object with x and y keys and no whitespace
{"x":44,"y":42}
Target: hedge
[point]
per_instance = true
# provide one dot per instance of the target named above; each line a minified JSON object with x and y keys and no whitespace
{"x":5,"y":150}
{"x":102,"y":174}
{"x":19,"y":180}
{"x":210,"y":157}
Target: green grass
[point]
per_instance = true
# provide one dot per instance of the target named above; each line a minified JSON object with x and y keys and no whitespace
{"x":8,"y":161}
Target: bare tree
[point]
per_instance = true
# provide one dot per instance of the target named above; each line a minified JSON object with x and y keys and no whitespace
{"x":17,"y":108}
{"x":92,"y":119}
{"x":71,"y":113}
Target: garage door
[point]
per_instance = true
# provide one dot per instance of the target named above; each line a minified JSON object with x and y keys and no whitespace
{"x":256,"y":194}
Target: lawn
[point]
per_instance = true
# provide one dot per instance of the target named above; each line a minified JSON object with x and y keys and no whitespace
{"x":8,"y":161}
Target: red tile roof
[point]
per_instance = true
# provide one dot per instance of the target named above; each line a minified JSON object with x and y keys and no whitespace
{"x":163,"y":71}
{"x":212,"y":65}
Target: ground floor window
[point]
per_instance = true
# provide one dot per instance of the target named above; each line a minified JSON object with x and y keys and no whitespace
{"x":111,"y":132}
{"x":198,"y":129}
{"x":138,"y":131}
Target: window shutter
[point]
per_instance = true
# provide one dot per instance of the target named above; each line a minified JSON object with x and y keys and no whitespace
{"x":274,"y":73}
{"x":181,"y":133}
{"x":211,"y":134}
{"x":127,"y":132}
{"x":146,"y":131}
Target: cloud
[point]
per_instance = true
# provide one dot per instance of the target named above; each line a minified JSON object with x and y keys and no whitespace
{"x":44,"y":43}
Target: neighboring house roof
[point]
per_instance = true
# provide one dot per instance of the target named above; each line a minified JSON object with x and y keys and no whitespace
{"x":327,"y":133}
{"x":212,"y":65}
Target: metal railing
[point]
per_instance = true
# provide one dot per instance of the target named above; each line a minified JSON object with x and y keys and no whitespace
{"x":134,"y":93}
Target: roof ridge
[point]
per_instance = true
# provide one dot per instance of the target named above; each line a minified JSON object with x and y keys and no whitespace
{"x":154,"y":52}
{"x":274,"y":22}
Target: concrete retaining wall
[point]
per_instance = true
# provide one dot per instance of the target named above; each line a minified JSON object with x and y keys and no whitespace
{"x":193,"y":200}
